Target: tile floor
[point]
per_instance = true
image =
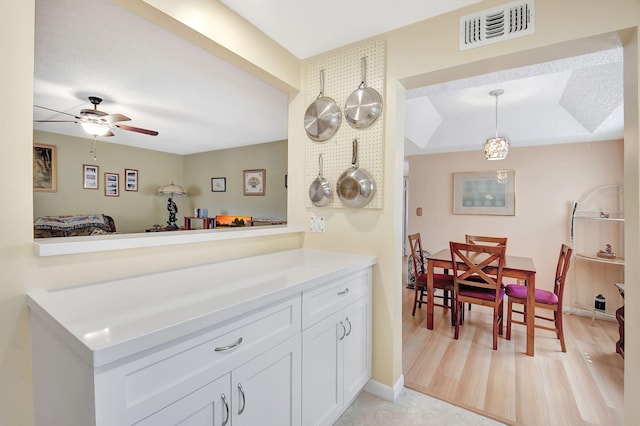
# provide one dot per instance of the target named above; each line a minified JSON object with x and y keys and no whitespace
{"x":410,"y":409}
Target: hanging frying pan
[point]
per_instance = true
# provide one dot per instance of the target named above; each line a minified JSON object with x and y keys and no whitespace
{"x":355,"y":186}
{"x":364,"y":105}
{"x":323,"y":116}
{"x":320,"y":191}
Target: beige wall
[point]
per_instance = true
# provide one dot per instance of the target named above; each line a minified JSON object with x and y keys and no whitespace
{"x":424,"y":52}
{"x":137,"y":211}
{"x":229,"y":163}
{"x":131,"y":211}
{"x":547,"y":178}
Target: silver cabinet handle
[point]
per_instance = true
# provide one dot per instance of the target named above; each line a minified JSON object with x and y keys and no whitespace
{"x":343,"y":292}
{"x":226,"y":410}
{"x":231,"y":346}
{"x":348,"y":322}
{"x":240,"y":410}
{"x":344,"y":331}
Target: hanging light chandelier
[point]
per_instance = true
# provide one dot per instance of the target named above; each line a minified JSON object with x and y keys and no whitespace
{"x":496,"y":148}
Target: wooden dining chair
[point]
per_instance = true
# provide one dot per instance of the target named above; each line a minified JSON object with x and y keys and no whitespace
{"x":441,"y":281}
{"x":545,"y":299}
{"x":484,"y":239}
{"x":474,"y":284}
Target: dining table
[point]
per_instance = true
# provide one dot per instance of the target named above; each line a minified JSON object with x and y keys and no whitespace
{"x":520,"y":268}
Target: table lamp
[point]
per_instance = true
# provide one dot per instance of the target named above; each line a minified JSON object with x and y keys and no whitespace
{"x":171,"y":190}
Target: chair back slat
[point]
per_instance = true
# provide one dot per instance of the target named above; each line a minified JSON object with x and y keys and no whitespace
{"x":415,"y":243}
{"x":564,"y":259}
{"x":486,"y":240}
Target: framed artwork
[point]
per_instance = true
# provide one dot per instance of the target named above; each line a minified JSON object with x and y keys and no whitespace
{"x":90,"y":176}
{"x":131,"y":180}
{"x":218,"y":184}
{"x":485,"y":193}
{"x":44,"y":168}
{"x":111,"y":184}
{"x":254,"y":181}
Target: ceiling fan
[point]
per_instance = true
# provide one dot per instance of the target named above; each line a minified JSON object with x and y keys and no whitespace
{"x":96,"y":122}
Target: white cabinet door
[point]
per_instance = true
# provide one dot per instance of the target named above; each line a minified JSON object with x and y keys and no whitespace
{"x":266,"y":390}
{"x":336,"y":362}
{"x":357,"y":348}
{"x":209,"y":405}
{"x":322,"y":371}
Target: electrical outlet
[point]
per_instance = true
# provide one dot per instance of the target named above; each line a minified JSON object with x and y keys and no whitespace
{"x":317,"y":224}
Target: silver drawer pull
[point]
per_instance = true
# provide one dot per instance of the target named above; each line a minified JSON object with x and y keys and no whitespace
{"x":231,"y":346}
{"x":241,"y":410}
{"x":345,"y":291}
{"x":226,"y":410}
{"x":348,"y":322}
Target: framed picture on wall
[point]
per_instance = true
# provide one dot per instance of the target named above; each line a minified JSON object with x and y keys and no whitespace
{"x":254,"y":181}
{"x":130,"y":180}
{"x":111,"y":184}
{"x":44,"y":168}
{"x":90,"y":176}
{"x":218,"y":184}
{"x":485,"y":193}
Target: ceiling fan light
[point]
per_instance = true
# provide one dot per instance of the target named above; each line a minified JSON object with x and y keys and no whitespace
{"x":95,"y":129}
{"x":496,"y":148}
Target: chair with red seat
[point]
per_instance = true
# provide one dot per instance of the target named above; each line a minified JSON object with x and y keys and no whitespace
{"x":544,"y":299}
{"x":441,"y":281}
{"x":474,"y":283}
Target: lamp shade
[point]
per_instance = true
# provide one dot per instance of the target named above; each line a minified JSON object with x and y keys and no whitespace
{"x":496,"y":148}
{"x":171,"y":190}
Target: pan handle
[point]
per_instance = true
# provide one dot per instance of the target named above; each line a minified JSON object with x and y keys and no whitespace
{"x":363,"y":66}
{"x":321,"y":84}
{"x":320,"y":165}
{"x":354,"y":157}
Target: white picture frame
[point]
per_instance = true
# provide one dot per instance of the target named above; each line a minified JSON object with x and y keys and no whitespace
{"x":485,"y":193}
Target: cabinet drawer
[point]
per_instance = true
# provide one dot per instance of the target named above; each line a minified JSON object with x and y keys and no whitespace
{"x":144,"y":384}
{"x":324,"y":300}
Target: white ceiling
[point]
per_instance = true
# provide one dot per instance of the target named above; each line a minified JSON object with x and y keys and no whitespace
{"x":198,"y":102}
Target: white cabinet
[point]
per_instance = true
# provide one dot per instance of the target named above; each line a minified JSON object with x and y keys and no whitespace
{"x":597,"y":235}
{"x":336,"y":350}
{"x":163,"y":349}
{"x":207,"y":406}
{"x":265,"y":390}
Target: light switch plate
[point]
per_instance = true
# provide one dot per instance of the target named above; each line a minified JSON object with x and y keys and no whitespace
{"x":317,"y":224}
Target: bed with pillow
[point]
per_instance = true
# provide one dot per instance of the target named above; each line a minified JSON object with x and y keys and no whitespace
{"x":73,"y":225}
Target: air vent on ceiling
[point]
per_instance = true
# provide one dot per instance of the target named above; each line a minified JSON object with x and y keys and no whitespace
{"x":515,"y":19}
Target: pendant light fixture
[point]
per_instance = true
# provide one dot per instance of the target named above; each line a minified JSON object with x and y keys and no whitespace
{"x":496,"y":148}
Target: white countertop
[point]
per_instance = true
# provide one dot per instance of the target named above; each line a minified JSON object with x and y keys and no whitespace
{"x":110,"y":320}
{"x":96,"y":243}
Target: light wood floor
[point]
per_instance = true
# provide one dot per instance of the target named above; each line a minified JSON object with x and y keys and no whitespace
{"x":583,"y":386}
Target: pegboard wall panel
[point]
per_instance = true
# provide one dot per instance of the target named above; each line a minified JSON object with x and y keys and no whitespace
{"x":342,"y":75}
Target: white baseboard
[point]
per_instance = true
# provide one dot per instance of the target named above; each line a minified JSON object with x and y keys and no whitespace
{"x":589,"y":313}
{"x":383,"y":391}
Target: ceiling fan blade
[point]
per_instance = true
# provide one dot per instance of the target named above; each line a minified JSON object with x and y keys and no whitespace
{"x":54,"y":121}
{"x":113,"y":118}
{"x":55,"y":110}
{"x":109,"y":133}
{"x":136,"y":129}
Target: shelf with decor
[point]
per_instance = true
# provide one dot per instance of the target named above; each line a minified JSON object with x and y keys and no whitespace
{"x":597,"y":237}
